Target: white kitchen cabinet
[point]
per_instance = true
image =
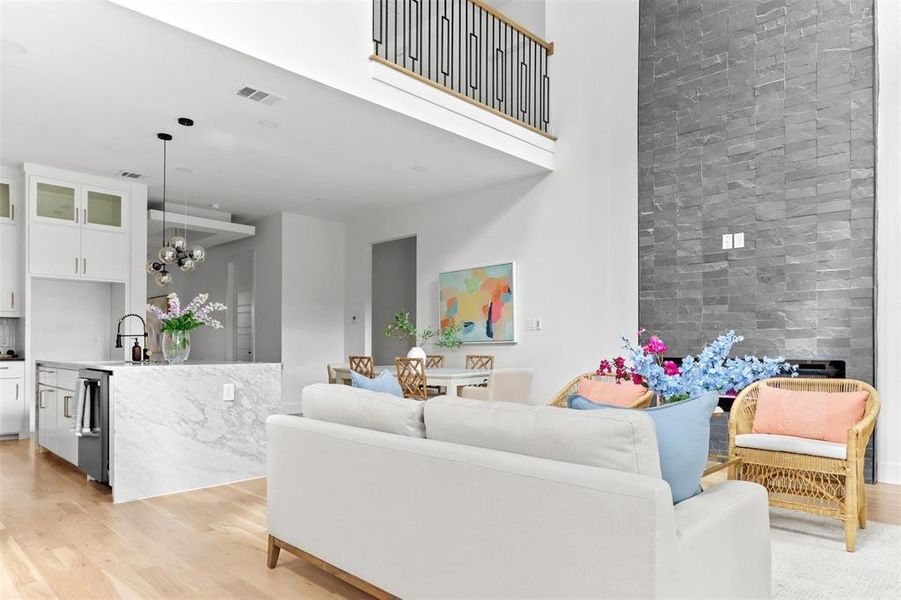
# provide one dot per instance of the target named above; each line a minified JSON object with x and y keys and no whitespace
{"x":56,"y":412}
{"x":10,"y":271}
{"x":8,"y":199}
{"x":54,"y":250}
{"x":67,"y":443}
{"x":77,"y":231}
{"x":47,"y":418}
{"x":12,"y":390}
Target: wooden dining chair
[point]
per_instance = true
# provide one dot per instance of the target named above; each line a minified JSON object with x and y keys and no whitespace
{"x":479,"y":362}
{"x":362,"y":365}
{"x":411,"y":377}
{"x":434,"y":361}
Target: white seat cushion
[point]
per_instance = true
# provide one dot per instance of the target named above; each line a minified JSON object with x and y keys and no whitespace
{"x":363,"y":408}
{"x":787,"y":443}
{"x":613,"y":439}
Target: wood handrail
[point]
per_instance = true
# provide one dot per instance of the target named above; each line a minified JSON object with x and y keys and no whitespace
{"x":549,"y":46}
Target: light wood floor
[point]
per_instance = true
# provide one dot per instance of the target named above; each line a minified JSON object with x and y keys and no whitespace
{"x":61,"y":537}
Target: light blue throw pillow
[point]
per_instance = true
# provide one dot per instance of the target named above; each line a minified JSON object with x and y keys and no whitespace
{"x":384,"y":382}
{"x":683,"y":439}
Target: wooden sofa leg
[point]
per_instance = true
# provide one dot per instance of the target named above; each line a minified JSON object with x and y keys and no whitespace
{"x":272,"y":557}
{"x":850,"y":533}
{"x":862,"y":516}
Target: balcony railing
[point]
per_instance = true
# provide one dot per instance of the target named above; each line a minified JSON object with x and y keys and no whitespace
{"x":470,"y":50}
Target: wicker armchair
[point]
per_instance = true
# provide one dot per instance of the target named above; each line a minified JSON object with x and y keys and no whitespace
{"x":572,"y":387}
{"x":814,"y":484}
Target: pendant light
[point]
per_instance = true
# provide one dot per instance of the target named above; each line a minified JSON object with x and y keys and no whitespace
{"x":188,"y":256}
{"x":166,"y":255}
{"x":176,"y":250}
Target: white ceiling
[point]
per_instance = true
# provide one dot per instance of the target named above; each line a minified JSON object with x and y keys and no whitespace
{"x":96,"y":82}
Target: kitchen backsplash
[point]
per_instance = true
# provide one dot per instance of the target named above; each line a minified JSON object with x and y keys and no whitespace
{"x":8,"y":334}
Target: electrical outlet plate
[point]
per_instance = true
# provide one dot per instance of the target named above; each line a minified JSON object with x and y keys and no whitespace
{"x":727,"y":241}
{"x":228,"y":391}
{"x":738,"y":240}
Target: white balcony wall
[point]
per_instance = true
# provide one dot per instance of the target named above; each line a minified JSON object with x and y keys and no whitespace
{"x":330,"y":42}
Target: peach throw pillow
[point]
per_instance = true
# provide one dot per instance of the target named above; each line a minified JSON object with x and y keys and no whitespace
{"x":609,"y":392}
{"x":823,"y":416}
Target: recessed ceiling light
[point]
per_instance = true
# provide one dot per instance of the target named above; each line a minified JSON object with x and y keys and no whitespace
{"x":267,"y":123}
{"x":420,"y":168}
{"x":12,"y":47}
{"x":183,"y":170}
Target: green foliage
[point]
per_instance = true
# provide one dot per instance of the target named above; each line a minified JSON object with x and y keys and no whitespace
{"x":185,"y":322}
{"x":402,"y":328}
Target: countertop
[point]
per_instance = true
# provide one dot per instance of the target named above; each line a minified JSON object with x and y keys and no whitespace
{"x":116,"y":365}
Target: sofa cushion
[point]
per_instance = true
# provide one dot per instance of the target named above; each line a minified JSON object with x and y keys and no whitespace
{"x":683,"y":438}
{"x":623,"y":441}
{"x":363,"y":408}
{"x":823,"y":416}
{"x":609,"y":392}
{"x":787,"y":443}
{"x":384,"y":382}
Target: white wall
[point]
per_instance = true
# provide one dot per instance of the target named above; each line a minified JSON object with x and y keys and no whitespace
{"x":573,"y":233}
{"x":312,"y":301}
{"x":888,"y":244}
{"x":330,"y":41}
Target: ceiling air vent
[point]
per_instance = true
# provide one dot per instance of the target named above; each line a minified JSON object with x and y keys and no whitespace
{"x":257,"y":95}
{"x":129,"y":174}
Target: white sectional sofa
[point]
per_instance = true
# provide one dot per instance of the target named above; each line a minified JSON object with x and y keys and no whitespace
{"x":457,"y":498}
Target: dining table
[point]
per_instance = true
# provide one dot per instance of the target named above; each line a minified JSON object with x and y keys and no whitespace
{"x":448,"y":378}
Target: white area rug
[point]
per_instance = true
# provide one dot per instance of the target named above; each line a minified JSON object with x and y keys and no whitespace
{"x":810,"y":561}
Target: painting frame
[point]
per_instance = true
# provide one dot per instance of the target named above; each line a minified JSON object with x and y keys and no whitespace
{"x":514,"y":337}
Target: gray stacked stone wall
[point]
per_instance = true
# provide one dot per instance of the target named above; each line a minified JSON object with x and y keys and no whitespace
{"x":757,"y":117}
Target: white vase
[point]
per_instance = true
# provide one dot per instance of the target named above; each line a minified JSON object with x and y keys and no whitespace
{"x":416,"y":352}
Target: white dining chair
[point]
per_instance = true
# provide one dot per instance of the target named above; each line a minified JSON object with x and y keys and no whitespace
{"x":505,"y":385}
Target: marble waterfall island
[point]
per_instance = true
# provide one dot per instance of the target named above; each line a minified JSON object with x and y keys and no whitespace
{"x":176,"y":427}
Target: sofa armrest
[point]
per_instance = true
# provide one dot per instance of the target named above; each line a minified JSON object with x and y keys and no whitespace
{"x":723,"y":542}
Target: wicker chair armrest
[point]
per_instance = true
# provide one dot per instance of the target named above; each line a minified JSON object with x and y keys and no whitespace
{"x":744,"y":407}
{"x":570,"y":388}
{"x":860,"y":433}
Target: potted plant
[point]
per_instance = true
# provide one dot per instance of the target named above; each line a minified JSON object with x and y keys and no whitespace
{"x":403,"y":328}
{"x":178,"y":323}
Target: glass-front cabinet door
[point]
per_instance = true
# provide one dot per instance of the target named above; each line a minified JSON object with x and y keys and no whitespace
{"x":7,"y":200}
{"x":56,"y":202}
{"x":104,"y":208}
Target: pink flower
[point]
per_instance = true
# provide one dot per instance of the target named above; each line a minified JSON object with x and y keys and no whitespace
{"x":637,"y":379}
{"x":655,"y":346}
{"x":604,"y":368}
{"x":619,"y":362}
{"x":641,"y":331}
{"x":671,"y":368}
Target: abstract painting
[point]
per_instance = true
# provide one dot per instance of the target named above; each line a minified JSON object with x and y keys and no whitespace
{"x":481,"y":301}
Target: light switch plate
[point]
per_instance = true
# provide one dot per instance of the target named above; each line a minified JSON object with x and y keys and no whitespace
{"x":228,"y":391}
{"x":738,"y":240}
{"x":533,"y":325}
{"x":727,"y":241}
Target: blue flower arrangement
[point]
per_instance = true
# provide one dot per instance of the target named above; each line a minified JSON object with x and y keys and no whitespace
{"x":711,"y":370}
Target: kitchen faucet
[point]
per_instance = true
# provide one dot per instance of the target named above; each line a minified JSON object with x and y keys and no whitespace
{"x":120,"y":335}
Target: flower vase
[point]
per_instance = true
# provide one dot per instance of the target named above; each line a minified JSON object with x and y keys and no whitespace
{"x":176,"y":346}
{"x":416,"y":352}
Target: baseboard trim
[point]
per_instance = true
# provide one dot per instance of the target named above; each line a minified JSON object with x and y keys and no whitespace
{"x":275,"y":545}
{"x":888,"y":472}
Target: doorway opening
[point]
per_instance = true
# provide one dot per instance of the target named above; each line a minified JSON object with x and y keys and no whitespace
{"x":393,"y":290}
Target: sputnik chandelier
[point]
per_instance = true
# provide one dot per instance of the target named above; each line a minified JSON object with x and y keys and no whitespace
{"x":176,"y":250}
